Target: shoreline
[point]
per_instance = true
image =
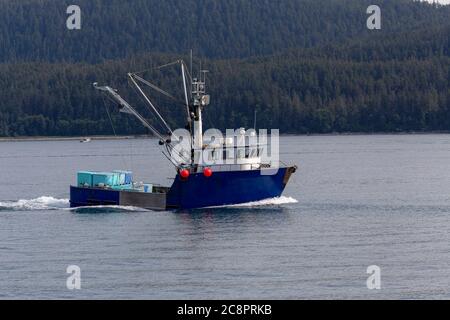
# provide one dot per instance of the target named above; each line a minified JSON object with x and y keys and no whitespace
{"x":25,"y":139}
{"x":130,"y":137}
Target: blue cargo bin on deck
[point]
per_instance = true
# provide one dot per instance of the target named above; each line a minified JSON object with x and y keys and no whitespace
{"x":85,"y":179}
{"x":102,"y":179}
{"x":125,"y":177}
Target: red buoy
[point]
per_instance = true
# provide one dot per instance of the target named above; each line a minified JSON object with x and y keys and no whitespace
{"x":184,"y":173}
{"x":207,"y":172}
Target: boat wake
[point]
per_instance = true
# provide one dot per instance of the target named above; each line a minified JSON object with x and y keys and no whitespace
{"x":263,"y":203}
{"x":41,"y":203}
{"x":51,"y":203}
{"x":111,"y":209}
{"x":106,"y":209}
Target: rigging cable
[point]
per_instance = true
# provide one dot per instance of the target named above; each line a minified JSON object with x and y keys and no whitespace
{"x":159,"y":135}
{"x":112,"y":126}
{"x":149,"y":102}
{"x":156,"y":88}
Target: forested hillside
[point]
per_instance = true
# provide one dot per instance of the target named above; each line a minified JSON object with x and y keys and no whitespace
{"x":36,"y":29}
{"x":306,"y":66}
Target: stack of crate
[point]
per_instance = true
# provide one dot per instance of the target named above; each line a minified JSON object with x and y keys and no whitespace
{"x":121,"y":180}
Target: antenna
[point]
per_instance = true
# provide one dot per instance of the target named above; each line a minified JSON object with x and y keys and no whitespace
{"x":191,"y":62}
{"x":254,"y":120}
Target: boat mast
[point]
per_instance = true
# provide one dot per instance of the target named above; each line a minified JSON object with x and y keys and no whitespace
{"x":200,"y":100}
{"x":183,"y":72}
{"x":195,"y":100}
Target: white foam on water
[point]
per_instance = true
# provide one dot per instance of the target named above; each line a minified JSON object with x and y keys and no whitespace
{"x":51,"y":203}
{"x":41,"y":203}
{"x":266,"y":202}
{"x":107,"y":208}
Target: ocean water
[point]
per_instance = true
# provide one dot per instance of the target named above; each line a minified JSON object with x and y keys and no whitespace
{"x":355,"y":201}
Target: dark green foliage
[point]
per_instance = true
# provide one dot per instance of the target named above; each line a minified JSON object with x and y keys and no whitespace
{"x":306,"y":66}
{"x":36,"y":29}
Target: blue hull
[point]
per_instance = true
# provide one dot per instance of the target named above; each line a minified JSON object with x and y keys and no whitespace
{"x":225,"y":188}
{"x":198,"y":191}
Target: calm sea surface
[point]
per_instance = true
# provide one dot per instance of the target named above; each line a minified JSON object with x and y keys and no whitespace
{"x":355,"y":201}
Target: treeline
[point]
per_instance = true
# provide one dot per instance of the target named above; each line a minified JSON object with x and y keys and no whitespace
{"x":327,"y":73}
{"x":298,"y":96}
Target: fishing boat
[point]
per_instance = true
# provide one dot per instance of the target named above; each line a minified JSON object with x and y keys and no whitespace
{"x":242,"y":175}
